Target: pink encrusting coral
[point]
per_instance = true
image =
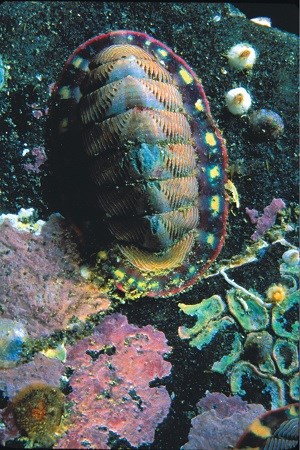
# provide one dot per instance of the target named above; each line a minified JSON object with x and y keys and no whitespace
{"x":40,"y":281}
{"x":111,"y":393}
{"x":267,"y":219}
{"x":220,"y":422}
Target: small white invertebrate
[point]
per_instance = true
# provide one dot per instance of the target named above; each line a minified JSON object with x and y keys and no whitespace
{"x":241,"y":56}
{"x":264,"y":21}
{"x":238,"y":101}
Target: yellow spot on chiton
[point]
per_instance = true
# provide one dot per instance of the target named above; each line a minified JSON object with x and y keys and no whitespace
{"x":162,"y":52}
{"x":176,"y":281}
{"x":293,"y":411}
{"x":77,"y":61}
{"x":80,"y":63}
{"x":141,"y":285}
{"x":210,"y":239}
{"x":259,"y":429}
{"x":192,"y":269}
{"x":215,"y":203}
{"x":64,"y":92}
{"x":187,"y":78}
{"x":154,"y":285}
{"x":199,"y":105}
{"x":131,"y":280}
{"x":214,"y":172}
{"x":119,"y":274}
{"x":102,"y":254}
{"x":210,"y":139}
{"x":63,"y":125}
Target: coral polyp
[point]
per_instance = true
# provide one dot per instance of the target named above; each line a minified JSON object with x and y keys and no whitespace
{"x":38,"y":410}
{"x":276,"y":293}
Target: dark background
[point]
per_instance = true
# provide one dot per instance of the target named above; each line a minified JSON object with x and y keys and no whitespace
{"x":284,"y":15}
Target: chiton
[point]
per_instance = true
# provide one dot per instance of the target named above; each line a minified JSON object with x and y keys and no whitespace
{"x":138,"y":154}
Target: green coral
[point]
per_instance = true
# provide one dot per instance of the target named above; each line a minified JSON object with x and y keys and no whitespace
{"x":254,"y":318}
{"x":285,"y":354}
{"x":253,"y":343}
{"x":274,"y":386}
{"x":282,"y":324}
{"x":228,"y":360}
{"x":209,"y":309}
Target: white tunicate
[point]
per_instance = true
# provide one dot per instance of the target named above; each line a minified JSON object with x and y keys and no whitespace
{"x":238,"y":101}
{"x":241,"y":56}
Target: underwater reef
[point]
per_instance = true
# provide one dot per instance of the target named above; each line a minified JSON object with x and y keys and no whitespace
{"x":81,"y":367}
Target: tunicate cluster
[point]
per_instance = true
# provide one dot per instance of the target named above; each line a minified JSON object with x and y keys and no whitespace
{"x":12,"y":338}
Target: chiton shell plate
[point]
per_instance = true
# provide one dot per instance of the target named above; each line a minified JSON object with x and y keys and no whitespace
{"x":130,"y":120}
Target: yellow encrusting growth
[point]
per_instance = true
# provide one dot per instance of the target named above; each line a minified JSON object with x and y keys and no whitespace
{"x":214,"y":172}
{"x":215,"y":204}
{"x":63,"y":125}
{"x":234,"y":193}
{"x":102,"y":254}
{"x":65,"y":92}
{"x":119,"y":274}
{"x":210,"y":239}
{"x":187,"y":78}
{"x":199,"y":105}
{"x":210,"y":139}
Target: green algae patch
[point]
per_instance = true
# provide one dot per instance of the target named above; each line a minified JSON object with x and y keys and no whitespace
{"x":228,"y":360}
{"x":294,"y":385}
{"x":249,"y":313}
{"x":244,"y":372}
{"x":284,"y":317}
{"x":209,"y":309}
{"x":285,"y":354}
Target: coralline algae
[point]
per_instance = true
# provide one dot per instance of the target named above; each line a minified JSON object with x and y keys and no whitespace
{"x":219,"y":421}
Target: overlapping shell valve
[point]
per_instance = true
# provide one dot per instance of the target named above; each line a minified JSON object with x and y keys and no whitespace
{"x":154,"y":157}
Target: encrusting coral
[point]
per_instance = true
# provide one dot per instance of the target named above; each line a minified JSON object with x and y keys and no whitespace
{"x":111,"y":393}
{"x":40,"y":281}
{"x":220,"y":422}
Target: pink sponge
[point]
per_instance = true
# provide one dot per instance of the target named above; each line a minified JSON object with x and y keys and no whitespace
{"x":112,"y":396}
